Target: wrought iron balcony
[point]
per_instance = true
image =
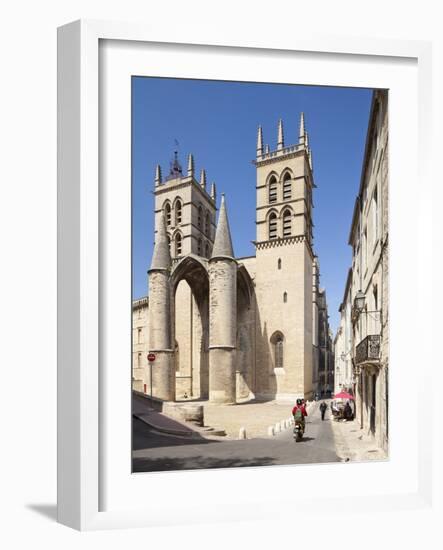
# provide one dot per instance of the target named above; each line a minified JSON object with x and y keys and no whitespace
{"x":368,"y":350}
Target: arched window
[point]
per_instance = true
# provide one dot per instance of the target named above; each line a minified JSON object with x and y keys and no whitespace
{"x":279,"y":263}
{"x":207,"y":225}
{"x":178,"y":244}
{"x":169,"y":244}
{"x":287,"y":187}
{"x":178,"y":212}
{"x":199,"y":247}
{"x":287,"y":223}
{"x":277,"y":343}
{"x":285,"y":297}
{"x":168,"y":214}
{"x":200,"y":217}
{"x":207,"y":250}
{"x":273,"y":189}
{"x":273,"y":226}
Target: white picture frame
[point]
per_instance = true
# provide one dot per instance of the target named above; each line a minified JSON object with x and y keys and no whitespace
{"x":85,"y":388}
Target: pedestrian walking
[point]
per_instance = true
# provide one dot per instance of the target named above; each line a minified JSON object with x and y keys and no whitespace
{"x":323,"y":408}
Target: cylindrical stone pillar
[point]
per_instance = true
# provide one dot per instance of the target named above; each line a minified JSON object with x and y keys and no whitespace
{"x":163,"y":372}
{"x":222,"y":329}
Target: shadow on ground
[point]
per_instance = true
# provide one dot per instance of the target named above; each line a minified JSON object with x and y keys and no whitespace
{"x":48,"y":511}
{"x":145,"y":438}
{"x":196,"y":463}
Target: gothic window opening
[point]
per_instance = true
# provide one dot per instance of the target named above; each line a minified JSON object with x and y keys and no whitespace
{"x":287,"y":223}
{"x":277,"y":342}
{"x":139,"y":336}
{"x":207,"y":225}
{"x":207,"y":250}
{"x":168,"y":214}
{"x":200,"y":215}
{"x":279,"y":263}
{"x":285,"y":297}
{"x":139,"y":360}
{"x":178,"y":245}
{"x":178,"y":212}
{"x":199,"y":247}
{"x":273,"y":226}
{"x":273,"y":189}
{"x":287,"y":187}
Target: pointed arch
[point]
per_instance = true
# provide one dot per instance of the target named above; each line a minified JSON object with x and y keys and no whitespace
{"x":178,"y":244}
{"x":287,"y":222}
{"x":272,"y":189}
{"x":167,"y":212}
{"x":286,"y":179}
{"x":178,"y":206}
{"x":272,"y":226}
{"x":277,"y":341}
{"x":200,"y":217}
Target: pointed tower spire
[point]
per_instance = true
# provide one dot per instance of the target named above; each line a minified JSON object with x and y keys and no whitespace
{"x":281,"y":139}
{"x":310,"y":160}
{"x":158,"y":175}
{"x":203,"y":178}
{"x":223,"y":242}
{"x":161,"y":257}
{"x":190,"y":165}
{"x":301,"y":133}
{"x":213,"y":192}
{"x":259,"y":142}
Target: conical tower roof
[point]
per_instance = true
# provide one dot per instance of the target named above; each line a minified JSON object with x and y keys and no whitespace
{"x":161,"y":257}
{"x":223,"y":241}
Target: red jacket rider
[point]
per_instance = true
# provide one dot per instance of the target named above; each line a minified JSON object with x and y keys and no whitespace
{"x":300,"y":405}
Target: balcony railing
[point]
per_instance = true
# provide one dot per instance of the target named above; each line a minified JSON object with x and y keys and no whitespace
{"x":368,"y":350}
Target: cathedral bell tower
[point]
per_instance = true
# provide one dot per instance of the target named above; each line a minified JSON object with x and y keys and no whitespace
{"x":284,"y":265}
{"x":188,"y":208}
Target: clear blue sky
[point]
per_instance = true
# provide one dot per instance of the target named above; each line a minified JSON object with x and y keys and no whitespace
{"x":217,"y":121}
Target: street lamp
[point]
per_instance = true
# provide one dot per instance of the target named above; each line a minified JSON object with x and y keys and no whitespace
{"x":359,"y":301}
{"x":360,"y":304}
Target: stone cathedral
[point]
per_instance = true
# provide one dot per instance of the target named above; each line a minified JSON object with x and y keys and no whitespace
{"x":229,"y":329}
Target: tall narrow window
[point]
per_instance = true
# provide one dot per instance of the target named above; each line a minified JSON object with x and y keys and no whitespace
{"x":207,"y":250}
{"x":279,"y":263}
{"x":287,"y":187}
{"x":168,"y":214}
{"x":199,"y":247}
{"x":207,"y":225}
{"x":139,"y":360}
{"x":200,"y":217}
{"x":273,"y":189}
{"x":178,"y":212}
{"x":285,"y":297}
{"x":178,"y":244}
{"x":139,"y":336}
{"x":277,"y":342}
{"x":287,"y":223}
{"x":273,"y":226}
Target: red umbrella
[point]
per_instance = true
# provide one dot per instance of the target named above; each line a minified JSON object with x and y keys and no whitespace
{"x":343,"y":395}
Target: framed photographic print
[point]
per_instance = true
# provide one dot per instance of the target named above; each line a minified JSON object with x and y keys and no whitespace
{"x":235,"y":248}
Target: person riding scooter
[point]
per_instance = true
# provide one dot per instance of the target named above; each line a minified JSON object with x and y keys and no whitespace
{"x":299,"y":412}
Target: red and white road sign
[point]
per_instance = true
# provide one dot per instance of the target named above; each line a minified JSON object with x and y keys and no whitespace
{"x":151,"y":357}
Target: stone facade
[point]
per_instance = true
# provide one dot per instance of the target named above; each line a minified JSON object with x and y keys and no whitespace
{"x":364,"y":330}
{"x":229,"y":329}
